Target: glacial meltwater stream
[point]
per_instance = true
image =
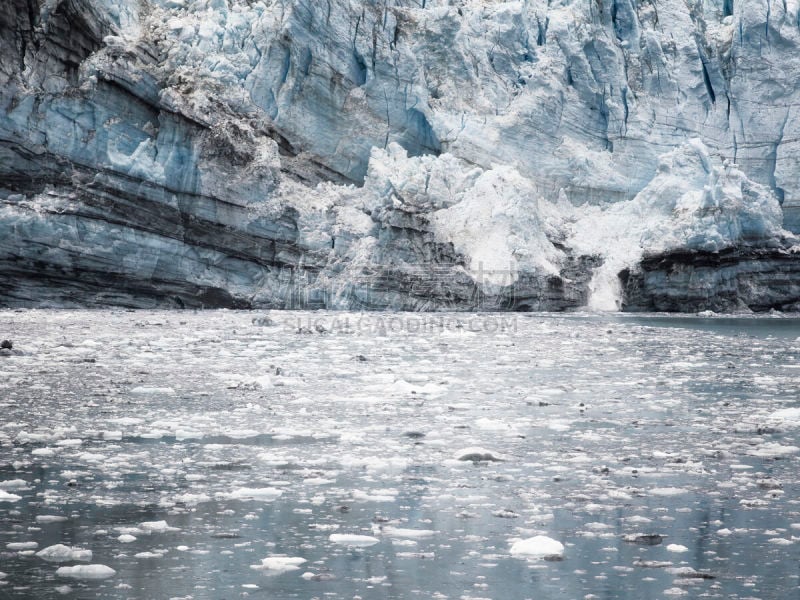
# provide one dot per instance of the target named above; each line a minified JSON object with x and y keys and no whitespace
{"x":219,"y":455}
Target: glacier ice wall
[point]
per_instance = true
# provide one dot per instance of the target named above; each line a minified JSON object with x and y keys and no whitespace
{"x":406,"y":154}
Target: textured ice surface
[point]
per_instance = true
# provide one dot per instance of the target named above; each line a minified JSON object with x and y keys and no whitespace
{"x":86,"y":572}
{"x":539,"y":546}
{"x":280,"y":564}
{"x":455,"y":154}
{"x":61,"y":553}
{"x":625,"y":439}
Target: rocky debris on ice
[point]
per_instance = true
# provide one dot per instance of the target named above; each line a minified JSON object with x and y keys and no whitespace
{"x":478,"y":454}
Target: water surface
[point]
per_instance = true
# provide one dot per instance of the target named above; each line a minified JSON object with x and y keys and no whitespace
{"x":608,"y":427}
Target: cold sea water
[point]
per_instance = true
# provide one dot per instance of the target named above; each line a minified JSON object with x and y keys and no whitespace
{"x":222,"y":454}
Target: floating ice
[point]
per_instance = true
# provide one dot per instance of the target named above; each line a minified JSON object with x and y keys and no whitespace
{"x":478,"y":454}
{"x":267,"y":494}
{"x":399,"y":532}
{"x":50,"y":519}
{"x":539,"y":546}
{"x":22,"y":545}
{"x":277,"y":564}
{"x":156,"y":527}
{"x":349,"y":539}
{"x":192,"y":499}
{"x":6,"y":497}
{"x":146,"y":390}
{"x":86,"y":572}
{"x":14,"y":484}
{"x":668,"y":491}
{"x":148,"y":555}
{"x":787,"y":416}
{"x":772,"y":450}
{"x":62,"y":553}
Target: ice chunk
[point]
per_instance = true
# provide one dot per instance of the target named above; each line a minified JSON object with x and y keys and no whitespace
{"x":6,"y":497}
{"x":14,"y":484}
{"x":148,"y":555}
{"x":62,"y":553}
{"x":277,"y":564}
{"x":22,"y":545}
{"x":668,"y":491}
{"x":156,"y":527}
{"x":86,"y":572}
{"x":787,"y":416}
{"x":539,"y":546}
{"x":478,"y":454}
{"x":147,"y":390}
{"x":772,"y":450}
{"x":349,"y":539}
{"x":399,"y":532}
{"x":192,"y":499}
{"x":267,"y":494}
{"x":50,"y":519}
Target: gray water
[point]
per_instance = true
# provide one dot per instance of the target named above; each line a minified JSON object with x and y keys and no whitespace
{"x":607,"y":426}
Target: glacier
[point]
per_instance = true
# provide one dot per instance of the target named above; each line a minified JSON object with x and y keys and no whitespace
{"x":401,"y":154}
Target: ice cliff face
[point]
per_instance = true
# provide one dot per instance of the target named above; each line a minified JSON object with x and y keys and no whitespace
{"x":408,"y":154}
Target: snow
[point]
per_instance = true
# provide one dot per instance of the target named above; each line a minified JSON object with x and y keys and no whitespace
{"x":86,"y":572}
{"x":7,"y":497}
{"x":539,"y":546}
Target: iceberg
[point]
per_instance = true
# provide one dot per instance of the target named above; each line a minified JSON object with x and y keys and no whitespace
{"x":444,"y":155}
